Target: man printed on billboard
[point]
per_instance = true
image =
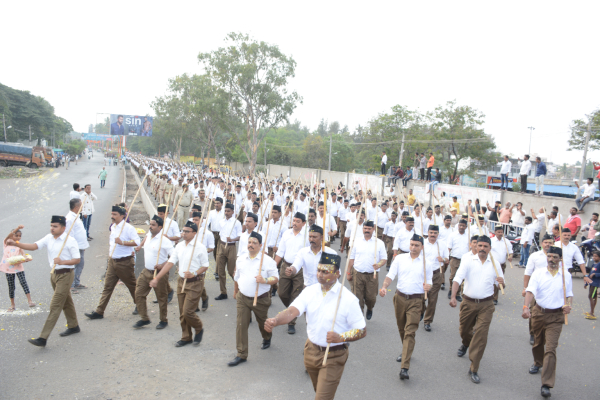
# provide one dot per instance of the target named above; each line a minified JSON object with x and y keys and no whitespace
{"x":117,"y":128}
{"x":147,"y":130}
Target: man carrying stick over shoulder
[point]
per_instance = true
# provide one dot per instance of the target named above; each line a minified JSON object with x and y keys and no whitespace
{"x":63,"y":255}
{"x":319,"y":302}
{"x":193,"y":263}
{"x":123,"y":237}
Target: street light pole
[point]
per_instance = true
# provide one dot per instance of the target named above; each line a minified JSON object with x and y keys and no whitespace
{"x":531,"y":129}
{"x":265,"y":152}
{"x":330,"y":140}
{"x":401,"y":152}
{"x":585,"y":149}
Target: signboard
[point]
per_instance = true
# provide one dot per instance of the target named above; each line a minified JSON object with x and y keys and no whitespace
{"x":130,"y":125}
{"x":95,"y":137}
{"x":465,"y":193}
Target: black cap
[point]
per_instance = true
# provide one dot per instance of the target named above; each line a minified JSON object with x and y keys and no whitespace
{"x":330,"y":259}
{"x":230,"y":206}
{"x":485,"y":239}
{"x":316,"y":228}
{"x":300,"y":216}
{"x":474,"y":238}
{"x":257,"y":236}
{"x":277,"y":208}
{"x":58,"y":219}
{"x":447,"y":217}
{"x":253,"y":216}
{"x":410,"y":219}
{"x":196,"y":214}
{"x":394,"y":213}
{"x":161,"y":208}
{"x":405,"y":213}
{"x":433,"y":227}
{"x":548,"y":237}
{"x":256,"y":203}
{"x":192,"y":225}
{"x":369,"y":223}
{"x":462,"y":221}
{"x":346,"y":201}
{"x":417,"y":238}
{"x":219,"y":199}
{"x":119,"y":209}
{"x":196,"y":207}
{"x":158,"y":220}
{"x":498,"y":228}
{"x":311,"y":210}
{"x":555,"y":250}
{"x":321,"y":204}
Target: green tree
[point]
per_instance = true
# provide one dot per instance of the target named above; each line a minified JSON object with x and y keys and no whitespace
{"x":254,"y":76}
{"x":579,"y":129}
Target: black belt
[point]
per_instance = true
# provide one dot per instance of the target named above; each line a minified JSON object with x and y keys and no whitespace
{"x":409,"y":296}
{"x":63,"y":270}
{"x":436,"y":271}
{"x":331,"y":348}
{"x":265,"y":294}
{"x":227,"y":244}
{"x":548,"y":310}
{"x":123,"y":258}
{"x":477,"y":300}
{"x":456,"y":258}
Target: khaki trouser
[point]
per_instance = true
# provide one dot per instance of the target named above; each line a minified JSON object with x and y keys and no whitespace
{"x":496,"y":288}
{"x":325,"y":379}
{"x":365,"y":288}
{"x":188,"y":304}
{"x":432,"y":297}
{"x":161,"y":196}
{"x":408,"y":315}
{"x":379,"y":233}
{"x":454,"y":264}
{"x":531,"y":307}
{"x":227,"y":256}
{"x":61,"y":301}
{"x":244,"y":312}
{"x":290,"y":287}
{"x":142,"y":288}
{"x":183,"y":214}
{"x":117,"y":269}
{"x":342,"y":229}
{"x":389,"y":244}
{"x":475,"y":317}
{"x":217,"y":244}
{"x":546,"y":329}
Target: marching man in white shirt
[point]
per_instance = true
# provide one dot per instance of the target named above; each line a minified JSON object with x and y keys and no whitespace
{"x":230,"y":232}
{"x":437,"y":255}
{"x":367,"y":256}
{"x":121,"y":263}
{"x":458,"y":245}
{"x":548,"y":315}
{"x":151,"y":244}
{"x":503,"y":252}
{"x":319,"y":303}
{"x":247,"y":278}
{"x":413,"y":281}
{"x":193,"y":264}
{"x":476,"y":312}
{"x":78,"y":233}
{"x":389,"y":231}
{"x":61,"y":279}
{"x":208,"y":240}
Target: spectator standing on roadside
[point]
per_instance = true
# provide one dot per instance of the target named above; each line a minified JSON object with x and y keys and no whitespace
{"x":505,"y":213}
{"x":589,"y":190}
{"x":505,"y":168}
{"x":525,"y":168}
{"x":540,"y":174}
{"x":383,"y":163}
{"x":430,"y":166}
{"x":422,"y":164}
{"x":573,"y":222}
{"x":416,"y":167}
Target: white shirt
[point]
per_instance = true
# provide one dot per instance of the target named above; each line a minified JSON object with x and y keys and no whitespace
{"x":350,"y":231}
{"x":384,"y":159}
{"x":548,"y":289}
{"x":479,"y":277}
{"x":69,"y":252}
{"x":172,"y":228}
{"x":551,"y":223}
{"x":389,"y":229}
{"x":214,"y":219}
{"x":402,"y":240}
{"x":426,"y":222}
{"x":506,"y":166}
{"x":539,"y":222}
{"x":77,"y":195}
{"x":518,"y":219}
{"x":276,"y":230}
{"x":88,"y":203}
{"x":588,"y":190}
{"x":410,"y":274}
{"x":307,"y":260}
{"x":183,"y":253}
{"x":127,"y":235}
{"x":458,"y":244}
{"x":151,"y":246}
{"x":208,"y":240}
{"x":342,"y":211}
{"x":291,"y":243}
{"x":432,"y":251}
{"x":230,"y":228}
{"x":365,"y":254}
{"x":330,"y":224}
{"x":537,"y":260}
{"x":382,"y":219}
{"x":243,"y":245}
{"x":525,"y":167}
{"x":527,"y":234}
{"x":499,"y":248}
{"x":320,"y":311}
{"x":247,"y":270}
{"x":78,"y":232}
{"x":569,"y":252}
{"x":372,"y":212}
{"x":445,"y":233}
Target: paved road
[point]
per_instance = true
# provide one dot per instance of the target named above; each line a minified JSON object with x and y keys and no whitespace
{"x":111,"y":360}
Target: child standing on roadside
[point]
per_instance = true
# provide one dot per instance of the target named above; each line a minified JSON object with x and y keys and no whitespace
{"x":12,"y":270}
{"x":595,"y":285}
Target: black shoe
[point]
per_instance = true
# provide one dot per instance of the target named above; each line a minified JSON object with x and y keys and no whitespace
{"x":273,"y":291}
{"x":399,"y":358}
{"x":474,"y":376}
{"x":94,"y":315}
{"x":221,"y":297}
{"x":38,"y":342}
{"x":135,"y":312}
{"x":443,"y":287}
{"x":534,"y":369}
{"x":70,"y":331}
{"x":427,"y":327}
{"x":291,"y":329}
{"x":204,"y":305}
{"x":265,"y":344}
{"x":495,"y":302}
{"x":197,"y":309}
{"x":250,"y":318}
{"x":170,"y":296}
{"x":155,"y":301}
{"x":217,"y":279}
{"x":459,"y":298}
{"x":141,"y":323}
{"x":545,"y":390}
{"x":182,"y":343}
{"x":462,"y":350}
{"x":404,"y":374}
{"x":369,"y":314}
{"x":91,"y":238}
{"x":162,"y":325}
{"x":531,"y":340}
{"x":236,"y":361}
{"x":198,"y":337}
{"x":422,"y":314}
{"x":449,"y":294}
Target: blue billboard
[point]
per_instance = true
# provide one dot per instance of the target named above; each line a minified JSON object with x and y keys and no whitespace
{"x":130,"y":125}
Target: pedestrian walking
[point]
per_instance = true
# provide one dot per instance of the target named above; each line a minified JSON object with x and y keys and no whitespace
{"x":102,"y":177}
{"x":88,"y":209}
{"x":79,"y":234}
{"x":14,"y":269}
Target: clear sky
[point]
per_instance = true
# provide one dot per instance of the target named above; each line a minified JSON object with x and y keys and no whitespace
{"x":522,"y":63}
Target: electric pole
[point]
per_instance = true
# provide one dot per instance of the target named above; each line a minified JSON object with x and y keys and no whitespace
{"x":531,"y":129}
{"x":4,"y":125}
{"x":30,"y":134}
{"x":265,"y":152}
{"x":585,"y":149}
{"x":401,"y":152}
{"x":330,"y":140}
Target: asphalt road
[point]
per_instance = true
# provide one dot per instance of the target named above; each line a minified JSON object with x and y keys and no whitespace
{"x":111,"y":360}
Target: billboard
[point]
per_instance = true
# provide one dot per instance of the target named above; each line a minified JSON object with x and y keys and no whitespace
{"x":130,"y":125}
